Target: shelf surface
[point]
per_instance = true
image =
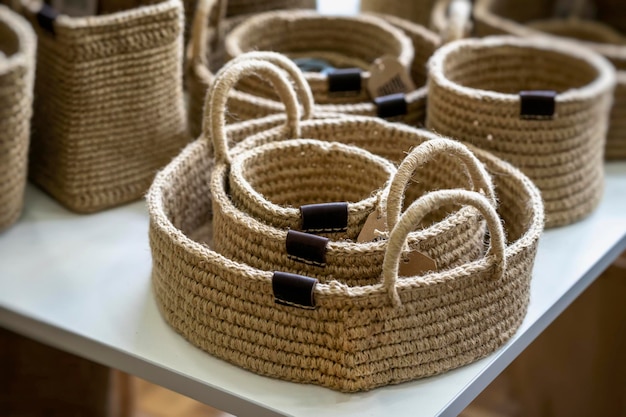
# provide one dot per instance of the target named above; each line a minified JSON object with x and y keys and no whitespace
{"x":82,"y":283}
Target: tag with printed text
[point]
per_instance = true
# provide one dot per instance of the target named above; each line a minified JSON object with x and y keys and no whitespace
{"x":388,"y":76}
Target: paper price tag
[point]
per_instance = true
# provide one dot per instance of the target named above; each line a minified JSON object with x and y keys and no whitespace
{"x":388,"y":76}
{"x":374,"y":223}
{"x":76,"y":8}
{"x":416,"y":263}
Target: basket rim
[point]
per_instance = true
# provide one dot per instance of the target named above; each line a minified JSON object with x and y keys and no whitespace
{"x":604,"y":81}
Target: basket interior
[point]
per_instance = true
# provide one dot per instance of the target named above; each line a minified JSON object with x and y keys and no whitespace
{"x":9,"y":41}
{"x":295,"y":176}
{"x":510,"y":69}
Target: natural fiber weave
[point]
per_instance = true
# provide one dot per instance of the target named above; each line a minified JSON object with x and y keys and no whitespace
{"x":473,"y":88}
{"x":605,"y":35}
{"x":17,"y":71}
{"x":343,"y":41}
{"x":260,"y":242}
{"x":109,"y":108}
{"x":206,"y":55}
{"x":358,"y":337}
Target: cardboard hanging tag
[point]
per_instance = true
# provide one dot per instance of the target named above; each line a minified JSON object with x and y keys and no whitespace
{"x":76,"y":8}
{"x":374,"y":224}
{"x":388,"y":76}
{"x":416,"y":263}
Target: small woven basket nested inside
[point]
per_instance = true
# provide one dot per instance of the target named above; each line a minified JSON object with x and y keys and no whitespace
{"x":17,"y":71}
{"x":599,"y":25}
{"x":109,"y":108}
{"x":271,"y":182}
{"x":474,"y":88}
{"x":356,"y":337}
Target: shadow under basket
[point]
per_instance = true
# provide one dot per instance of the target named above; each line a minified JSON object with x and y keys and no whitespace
{"x":109,"y":108}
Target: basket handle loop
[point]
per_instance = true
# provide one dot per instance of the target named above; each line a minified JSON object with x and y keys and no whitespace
{"x":414,"y":215}
{"x":459,"y":21}
{"x":214,"y":124}
{"x":305,"y":96}
{"x":479,"y":177}
{"x":208,"y":14}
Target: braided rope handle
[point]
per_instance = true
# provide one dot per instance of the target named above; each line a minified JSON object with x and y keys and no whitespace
{"x":481,"y":180}
{"x":214,"y":124}
{"x":459,"y":21}
{"x":413,"y":216}
{"x":205,"y":10}
{"x":305,"y":96}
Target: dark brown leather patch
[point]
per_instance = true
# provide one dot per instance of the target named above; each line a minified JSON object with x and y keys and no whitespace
{"x":391,"y":105}
{"x":344,"y":80}
{"x":307,"y":248}
{"x":537,"y":104}
{"x":325,"y":217}
{"x":294,"y":290}
{"x":46,"y":17}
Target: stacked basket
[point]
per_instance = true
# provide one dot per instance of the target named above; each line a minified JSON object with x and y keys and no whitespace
{"x":17,"y":70}
{"x":365,"y":328}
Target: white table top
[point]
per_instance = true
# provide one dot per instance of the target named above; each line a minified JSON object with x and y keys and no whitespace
{"x":82,"y":283}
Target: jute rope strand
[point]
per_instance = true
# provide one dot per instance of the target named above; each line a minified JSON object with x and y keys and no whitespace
{"x":353,"y":340}
{"x":473,"y":88}
{"x":17,"y":70}
{"x":109,"y":108}
{"x":606,"y":37}
{"x":426,"y":204}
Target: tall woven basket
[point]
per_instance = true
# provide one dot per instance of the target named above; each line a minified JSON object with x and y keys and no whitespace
{"x":266,"y":190}
{"x":342,"y":335}
{"x":109,"y":108}
{"x":17,"y":71}
{"x":538,"y":104}
{"x":599,"y":25}
{"x":253,"y":99}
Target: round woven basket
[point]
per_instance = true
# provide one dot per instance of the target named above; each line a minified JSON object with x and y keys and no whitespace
{"x":343,"y":336}
{"x":604,"y":35}
{"x":17,"y":71}
{"x":109,"y":108}
{"x":491,"y":92}
{"x":260,"y":242}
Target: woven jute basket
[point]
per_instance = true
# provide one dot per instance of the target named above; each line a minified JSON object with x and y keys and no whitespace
{"x":17,"y":71}
{"x":555,"y":20}
{"x":109,"y":108}
{"x":491,"y":92}
{"x":265,"y":242}
{"x":206,"y":54}
{"x":347,"y":337}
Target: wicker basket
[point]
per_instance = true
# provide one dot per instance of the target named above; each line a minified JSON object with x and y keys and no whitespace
{"x":109,"y":108}
{"x":17,"y":71}
{"x":544,"y":18}
{"x":262,"y":243}
{"x":348,"y":337}
{"x":476,"y":94}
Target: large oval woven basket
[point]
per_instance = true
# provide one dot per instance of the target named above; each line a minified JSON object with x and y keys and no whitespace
{"x":349,"y":337}
{"x":17,"y":71}
{"x":605,"y":34}
{"x":109,"y":108}
{"x":539,"y":104}
{"x":206,"y":55}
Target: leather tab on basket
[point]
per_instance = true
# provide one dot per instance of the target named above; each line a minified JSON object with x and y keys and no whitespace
{"x":388,"y":76}
{"x":416,"y":263}
{"x":537,"y":104}
{"x":344,"y":80}
{"x":306,"y":248}
{"x":391,"y":105}
{"x":46,"y":17}
{"x":294,"y":290}
{"x":325,"y":217}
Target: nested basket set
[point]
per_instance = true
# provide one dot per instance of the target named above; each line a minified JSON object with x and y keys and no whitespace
{"x":363,"y":200}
